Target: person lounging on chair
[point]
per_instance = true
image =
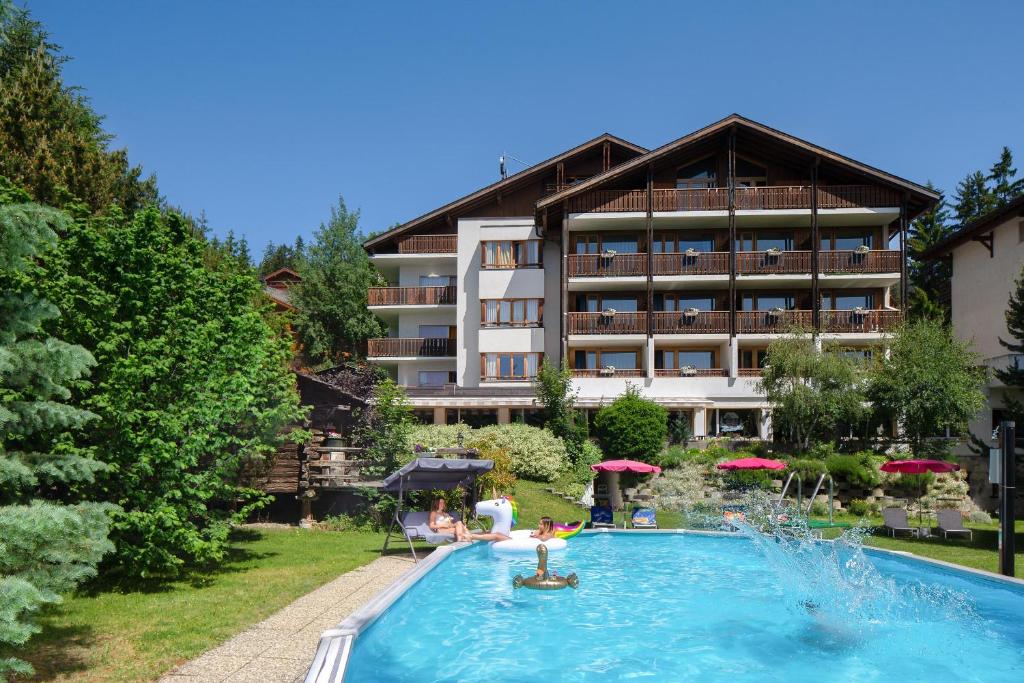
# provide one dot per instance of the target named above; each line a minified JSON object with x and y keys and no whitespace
{"x":952,"y":522}
{"x":415,"y":527}
{"x":643,"y":518}
{"x":601,"y":517}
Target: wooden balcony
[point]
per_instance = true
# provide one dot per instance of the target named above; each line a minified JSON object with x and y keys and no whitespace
{"x":704,"y":322}
{"x":773,"y":197}
{"x":880,"y":320}
{"x":703,"y":263}
{"x":610,"y":374}
{"x":412,"y":296}
{"x":770,"y":322}
{"x":599,"y":323}
{"x":691,"y":372}
{"x":428,"y":244}
{"x":771,"y":263}
{"x":408,"y":347}
{"x":875,"y":261}
{"x":599,"y":265}
{"x":750,"y":372}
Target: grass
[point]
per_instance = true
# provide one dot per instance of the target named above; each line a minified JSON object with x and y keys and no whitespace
{"x":139,"y":635}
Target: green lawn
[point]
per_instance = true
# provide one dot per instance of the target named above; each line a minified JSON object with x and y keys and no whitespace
{"x":137,"y":636}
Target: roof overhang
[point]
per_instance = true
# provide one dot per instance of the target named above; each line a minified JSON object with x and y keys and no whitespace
{"x":976,"y":228}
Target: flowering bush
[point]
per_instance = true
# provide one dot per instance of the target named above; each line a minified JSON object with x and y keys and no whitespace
{"x":682,"y":487}
{"x":533,"y":453}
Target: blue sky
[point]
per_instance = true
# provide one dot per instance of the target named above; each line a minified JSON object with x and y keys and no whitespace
{"x":262,"y":113}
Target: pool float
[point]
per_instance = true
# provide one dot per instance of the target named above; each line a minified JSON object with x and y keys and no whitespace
{"x":542,"y":580}
{"x":505,"y":513}
{"x":567,"y":531}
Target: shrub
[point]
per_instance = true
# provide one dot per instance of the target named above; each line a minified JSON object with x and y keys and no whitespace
{"x":680,"y":488}
{"x":632,"y":427}
{"x":439,"y":436}
{"x":359,"y":523}
{"x":679,"y":430}
{"x":500,"y":478}
{"x":821,"y":451}
{"x":535,"y":453}
{"x":856,"y":469}
{"x":980,"y":517}
{"x":809,"y":469}
{"x":858,"y":507}
{"x":748,"y":479}
{"x":819,"y":509}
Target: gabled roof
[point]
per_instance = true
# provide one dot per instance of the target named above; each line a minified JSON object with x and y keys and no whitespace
{"x":975,"y":228}
{"x":504,"y":184}
{"x":736,"y":120}
{"x":282,"y":271}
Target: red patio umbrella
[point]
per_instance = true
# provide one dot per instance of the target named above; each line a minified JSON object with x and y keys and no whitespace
{"x":625,"y":466}
{"x":920,"y":467}
{"x":752,"y":464}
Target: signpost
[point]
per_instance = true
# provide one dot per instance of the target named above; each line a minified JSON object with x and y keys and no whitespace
{"x":1008,"y":489}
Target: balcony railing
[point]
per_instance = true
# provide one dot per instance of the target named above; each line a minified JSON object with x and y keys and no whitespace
{"x":595,"y":265}
{"x":875,"y":261}
{"x":748,"y":322}
{"x":406,"y":347}
{"x":773,"y":263}
{"x":880,"y":320}
{"x":704,"y":322}
{"x":704,"y":263}
{"x":747,"y":198}
{"x":691,"y":372}
{"x":605,"y":372}
{"x":750,"y":372}
{"x":412,"y":296}
{"x":428,"y":244}
{"x":601,"y":323}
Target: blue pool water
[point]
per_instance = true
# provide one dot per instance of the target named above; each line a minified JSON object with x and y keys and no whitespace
{"x":672,"y":607}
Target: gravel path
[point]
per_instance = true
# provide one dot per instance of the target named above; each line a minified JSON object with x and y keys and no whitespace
{"x":280,"y":648}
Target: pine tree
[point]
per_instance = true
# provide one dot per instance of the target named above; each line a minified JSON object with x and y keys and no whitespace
{"x":929,"y":279}
{"x":973,"y":198}
{"x":50,"y":538}
{"x":1013,"y":375}
{"x":1004,"y":187}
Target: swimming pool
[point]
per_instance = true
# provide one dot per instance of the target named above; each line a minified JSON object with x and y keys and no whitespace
{"x":679,"y":607}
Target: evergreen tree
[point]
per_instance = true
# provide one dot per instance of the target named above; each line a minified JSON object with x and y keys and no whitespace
{"x":192,"y":384}
{"x":278,"y":256}
{"x":51,"y":141}
{"x":973,"y":198}
{"x":929,"y":280}
{"x":1004,"y":187}
{"x":332,"y":318}
{"x":51,"y":539}
{"x":1013,"y":375}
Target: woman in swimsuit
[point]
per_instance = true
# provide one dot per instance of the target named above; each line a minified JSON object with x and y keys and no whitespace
{"x":440,"y":522}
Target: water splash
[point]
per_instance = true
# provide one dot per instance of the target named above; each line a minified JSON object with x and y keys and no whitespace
{"x":836,"y":584}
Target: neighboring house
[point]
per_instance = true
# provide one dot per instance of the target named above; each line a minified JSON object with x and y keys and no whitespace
{"x":276,"y":286}
{"x":670,"y":269}
{"x":987,"y":256}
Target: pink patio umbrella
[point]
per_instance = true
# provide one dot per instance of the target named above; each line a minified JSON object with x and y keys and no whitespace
{"x":752,"y":464}
{"x":919,"y":467}
{"x":625,"y":466}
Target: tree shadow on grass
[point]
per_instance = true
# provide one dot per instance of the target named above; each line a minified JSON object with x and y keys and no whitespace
{"x":57,"y":651}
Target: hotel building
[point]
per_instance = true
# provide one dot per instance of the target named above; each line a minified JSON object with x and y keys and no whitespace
{"x":671,"y":269}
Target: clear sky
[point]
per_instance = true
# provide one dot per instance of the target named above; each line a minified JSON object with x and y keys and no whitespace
{"x":262,"y":113}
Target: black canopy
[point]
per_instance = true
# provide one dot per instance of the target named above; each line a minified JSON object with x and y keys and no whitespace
{"x":424,"y":474}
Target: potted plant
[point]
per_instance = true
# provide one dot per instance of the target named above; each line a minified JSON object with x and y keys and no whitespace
{"x":608,"y":313}
{"x":691,"y":312}
{"x":608,"y":370}
{"x":773,"y":251}
{"x":688,"y":371}
{"x":609,"y":253}
{"x":862,"y":249}
{"x":690,"y":251}
{"x":333,"y":439}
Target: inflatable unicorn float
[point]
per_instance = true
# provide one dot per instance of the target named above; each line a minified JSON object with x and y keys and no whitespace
{"x":505,"y":514}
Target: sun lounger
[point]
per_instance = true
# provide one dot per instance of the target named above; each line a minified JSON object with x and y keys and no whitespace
{"x":643,"y":518}
{"x":601,"y":517}
{"x":952,"y":522}
{"x":895,"y":519}
{"x":414,"y":527}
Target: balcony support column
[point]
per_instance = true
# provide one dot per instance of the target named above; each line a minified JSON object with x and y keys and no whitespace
{"x":731,"y":184}
{"x":440,"y":415}
{"x":649,"y":356}
{"x":700,"y":422}
{"x":903,"y":255}
{"x":734,"y":358}
{"x":564,"y":279}
{"x":650,"y":257}
{"x":815,"y":252}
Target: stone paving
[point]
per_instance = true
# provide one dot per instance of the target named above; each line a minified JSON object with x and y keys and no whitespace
{"x":280,"y":648}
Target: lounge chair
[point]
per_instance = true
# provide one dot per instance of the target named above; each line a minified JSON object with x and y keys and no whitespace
{"x":895,"y":519}
{"x":601,"y":517}
{"x":732,"y":512}
{"x":414,"y":527}
{"x":950,"y":521}
{"x":643,"y":518}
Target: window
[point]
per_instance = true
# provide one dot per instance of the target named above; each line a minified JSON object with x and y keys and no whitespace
{"x":766,"y":302}
{"x":437,"y":331}
{"x":749,"y":174}
{"x":855,"y":353}
{"x":674,"y":359}
{"x":764,"y":240}
{"x":675,"y":243}
{"x":595,"y":360}
{"x":437,"y":280}
{"x":509,"y":367}
{"x":845,"y":240}
{"x":511,"y":312}
{"x":697,"y":176}
{"x":622,"y":243}
{"x":677,"y":302}
{"x":511,"y":253}
{"x":595,"y":303}
{"x":841,"y":301}
{"x":753,"y":358}
{"x":434,"y":378}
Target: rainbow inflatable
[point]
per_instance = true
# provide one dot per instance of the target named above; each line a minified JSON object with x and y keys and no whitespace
{"x":515,"y":509}
{"x":567,"y":530}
